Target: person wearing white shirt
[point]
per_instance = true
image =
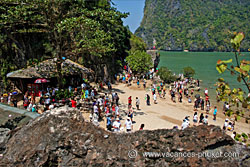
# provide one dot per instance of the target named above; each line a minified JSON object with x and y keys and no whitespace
{"x":155,"y":98}
{"x":128,"y":125}
{"x":117,"y":125}
{"x":185,"y":124}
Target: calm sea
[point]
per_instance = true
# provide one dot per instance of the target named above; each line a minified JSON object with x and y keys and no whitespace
{"x":204,"y":64}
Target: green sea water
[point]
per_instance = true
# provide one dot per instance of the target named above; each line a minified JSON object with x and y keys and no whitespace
{"x":204,"y":64}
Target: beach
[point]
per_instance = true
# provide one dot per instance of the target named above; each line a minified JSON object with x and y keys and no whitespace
{"x":165,"y":114}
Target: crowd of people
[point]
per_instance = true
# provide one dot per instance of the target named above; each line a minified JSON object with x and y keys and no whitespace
{"x":105,"y":105}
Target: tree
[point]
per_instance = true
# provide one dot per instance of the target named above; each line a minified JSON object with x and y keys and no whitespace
{"x":235,"y":96}
{"x":188,"y":72}
{"x":166,"y":75}
{"x":139,"y":62}
{"x":90,"y":30}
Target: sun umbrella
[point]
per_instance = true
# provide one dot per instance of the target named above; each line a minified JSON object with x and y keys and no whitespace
{"x":38,"y":81}
{"x":197,"y":96}
{"x":5,"y":95}
{"x":14,"y":93}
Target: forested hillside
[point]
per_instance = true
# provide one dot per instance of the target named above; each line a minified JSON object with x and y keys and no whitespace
{"x":198,"y":25}
{"x":88,"y":32}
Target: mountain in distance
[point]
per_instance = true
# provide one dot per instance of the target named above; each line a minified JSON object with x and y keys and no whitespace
{"x":196,"y":25}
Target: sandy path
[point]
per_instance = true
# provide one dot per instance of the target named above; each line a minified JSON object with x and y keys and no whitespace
{"x":165,"y":114}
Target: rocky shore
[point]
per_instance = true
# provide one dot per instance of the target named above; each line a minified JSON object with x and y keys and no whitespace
{"x":64,"y":138}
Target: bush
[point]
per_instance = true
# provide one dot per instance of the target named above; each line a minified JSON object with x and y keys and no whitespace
{"x":188,"y":72}
{"x":139,"y":61}
{"x":166,"y":75}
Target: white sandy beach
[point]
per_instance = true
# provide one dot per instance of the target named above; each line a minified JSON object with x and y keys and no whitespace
{"x":165,"y":114}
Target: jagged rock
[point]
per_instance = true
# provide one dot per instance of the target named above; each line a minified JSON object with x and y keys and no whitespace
{"x":84,"y":144}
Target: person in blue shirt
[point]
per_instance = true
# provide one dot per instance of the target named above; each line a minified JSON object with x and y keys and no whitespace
{"x":109,"y":123}
{"x":215,"y":113}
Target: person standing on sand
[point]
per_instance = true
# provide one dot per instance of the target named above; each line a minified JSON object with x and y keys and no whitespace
{"x":144,"y":83}
{"x":195,"y":118}
{"x":205,"y":120}
{"x":202,"y":103}
{"x":137,"y":103}
{"x":215,"y":113}
{"x":130,"y":114}
{"x":141,"y":127}
{"x":155,"y":98}
{"x":201,"y":118}
{"x":129,"y":102}
{"x":148,"y":99}
{"x":208,"y":106}
{"x":128,"y":125}
{"x":117,"y":125}
{"x":138,"y":83}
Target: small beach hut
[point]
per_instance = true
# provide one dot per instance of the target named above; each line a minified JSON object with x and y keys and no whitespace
{"x":24,"y":79}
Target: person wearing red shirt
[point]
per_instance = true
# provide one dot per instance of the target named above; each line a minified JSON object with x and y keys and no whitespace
{"x":73,"y":102}
{"x":130,"y":102}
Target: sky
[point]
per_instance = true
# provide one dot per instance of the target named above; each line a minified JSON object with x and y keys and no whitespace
{"x":135,"y":8}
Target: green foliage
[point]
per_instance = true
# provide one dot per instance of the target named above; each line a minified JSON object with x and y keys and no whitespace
{"x":188,"y":72}
{"x":137,"y":43}
{"x":166,"y":75}
{"x":194,"y":25}
{"x":140,"y":62}
{"x":91,"y":30}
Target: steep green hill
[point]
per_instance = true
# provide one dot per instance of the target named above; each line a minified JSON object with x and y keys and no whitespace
{"x":200,"y":25}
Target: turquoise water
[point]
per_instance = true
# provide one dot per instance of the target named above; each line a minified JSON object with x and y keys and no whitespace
{"x":204,"y":64}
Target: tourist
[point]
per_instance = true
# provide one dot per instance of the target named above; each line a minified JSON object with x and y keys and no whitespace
{"x":117,"y":99}
{"x":9,"y":98}
{"x":227,"y":107}
{"x":129,"y":102}
{"x":29,"y":108}
{"x":117,"y":125}
{"x":230,"y":126}
{"x":144,"y":83}
{"x":195,"y":118}
{"x":215,"y":113}
{"x":148,"y":99}
{"x":117,"y":113}
{"x":201,"y":118}
{"x":138,"y":83}
{"x":185,"y":124}
{"x":164,"y":91}
{"x":25,"y":102}
{"x":206,"y":92}
{"x":180,"y":97}
{"x":208,"y":106}
{"x":137,"y":103}
{"x":34,"y":109}
{"x":128,"y":125}
{"x":233,"y":135}
{"x":202,"y":103}
{"x":109,"y":123}
{"x":14,"y":101}
{"x":205,"y":120}
{"x":196,"y":104}
{"x":141,"y":127}
{"x":155,"y":98}
{"x":130,"y":114}
{"x":189,"y":99}
{"x":51,"y":106}
{"x":225,"y":124}
{"x":73,"y":103}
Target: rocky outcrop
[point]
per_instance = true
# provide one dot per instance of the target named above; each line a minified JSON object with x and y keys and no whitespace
{"x":63,"y":138}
